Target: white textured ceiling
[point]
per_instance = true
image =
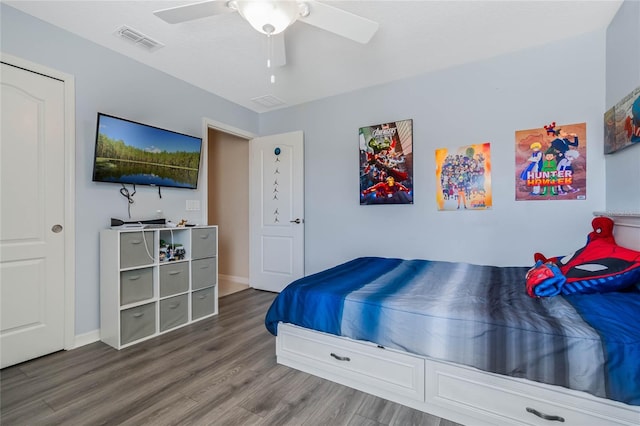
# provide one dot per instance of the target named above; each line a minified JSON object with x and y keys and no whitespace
{"x":223,"y":55}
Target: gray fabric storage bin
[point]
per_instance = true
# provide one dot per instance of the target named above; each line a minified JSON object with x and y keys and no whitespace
{"x":174,"y":278}
{"x":203,"y":242}
{"x":173,"y":312}
{"x":133,"y":251}
{"x":136,"y":285}
{"x":203,"y":273}
{"x":203,"y":303}
{"x":138,"y":322}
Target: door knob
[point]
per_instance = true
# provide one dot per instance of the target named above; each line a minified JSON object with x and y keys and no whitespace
{"x":296,"y":221}
{"x":56,"y":228}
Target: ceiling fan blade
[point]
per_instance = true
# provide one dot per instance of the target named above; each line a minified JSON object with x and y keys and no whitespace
{"x":340,"y":22}
{"x":279,"y":54}
{"x":189,"y":12}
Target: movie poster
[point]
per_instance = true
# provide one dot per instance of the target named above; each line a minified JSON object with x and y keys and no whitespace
{"x":622,"y":123}
{"x":386,"y":163}
{"x":463,"y":178}
{"x":551,"y":163}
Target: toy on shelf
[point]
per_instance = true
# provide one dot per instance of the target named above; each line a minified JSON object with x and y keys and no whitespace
{"x":171,"y":252}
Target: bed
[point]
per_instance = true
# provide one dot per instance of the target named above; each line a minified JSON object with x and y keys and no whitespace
{"x":465,"y":342}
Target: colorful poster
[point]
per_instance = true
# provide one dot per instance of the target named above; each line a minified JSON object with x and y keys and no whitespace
{"x":386,"y":163}
{"x":551,"y":163}
{"x":463,"y":178}
{"x":610,"y":131}
{"x":622,"y":123}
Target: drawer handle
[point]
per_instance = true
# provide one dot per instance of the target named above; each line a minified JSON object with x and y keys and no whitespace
{"x":204,"y":267}
{"x":202,"y":296}
{"x":174,"y":305}
{"x":340,"y":358}
{"x":134,"y":277}
{"x":136,"y":241}
{"x":174,"y":272}
{"x":549,"y":417}
{"x":204,"y":236}
{"x":138,"y":314}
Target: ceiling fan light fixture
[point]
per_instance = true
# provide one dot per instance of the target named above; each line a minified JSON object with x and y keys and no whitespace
{"x":267,"y":16}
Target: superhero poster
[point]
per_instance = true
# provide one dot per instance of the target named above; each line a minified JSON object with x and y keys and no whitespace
{"x":622,"y":123}
{"x":386,"y":163}
{"x":551,"y":163}
{"x":463,"y":178}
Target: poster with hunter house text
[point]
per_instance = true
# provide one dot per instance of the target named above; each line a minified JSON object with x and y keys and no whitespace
{"x":386,"y":163}
{"x":551,"y":162}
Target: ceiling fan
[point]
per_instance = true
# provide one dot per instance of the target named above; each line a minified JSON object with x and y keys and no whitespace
{"x":272,"y":17}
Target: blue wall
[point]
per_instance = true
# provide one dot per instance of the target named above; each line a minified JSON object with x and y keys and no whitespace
{"x":623,"y":76}
{"x":108,"y":82}
{"x":485,"y":101}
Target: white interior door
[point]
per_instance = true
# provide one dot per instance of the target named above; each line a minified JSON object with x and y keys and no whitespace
{"x":276,"y":218}
{"x":32,"y":235}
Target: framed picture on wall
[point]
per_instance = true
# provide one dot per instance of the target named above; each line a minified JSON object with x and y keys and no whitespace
{"x":386,"y":163}
{"x":551,"y":163}
{"x":463,"y":178}
{"x":622,"y":123}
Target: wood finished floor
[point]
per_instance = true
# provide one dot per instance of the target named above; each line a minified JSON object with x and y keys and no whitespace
{"x":219,"y":371}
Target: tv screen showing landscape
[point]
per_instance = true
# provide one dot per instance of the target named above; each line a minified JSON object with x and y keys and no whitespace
{"x":134,"y":153}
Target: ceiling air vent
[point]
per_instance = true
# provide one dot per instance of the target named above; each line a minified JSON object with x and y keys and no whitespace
{"x":137,"y":38}
{"x":268,"y":101}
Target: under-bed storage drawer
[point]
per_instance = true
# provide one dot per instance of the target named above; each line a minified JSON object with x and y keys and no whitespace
{"x":508,"y":401}
{"x":339,"y":359}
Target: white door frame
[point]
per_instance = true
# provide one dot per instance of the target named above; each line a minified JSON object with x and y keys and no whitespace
{"x":207,"y":124}
{"x":69,"y":188}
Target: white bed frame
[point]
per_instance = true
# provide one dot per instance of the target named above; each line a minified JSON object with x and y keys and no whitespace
{"x":462,"y":394}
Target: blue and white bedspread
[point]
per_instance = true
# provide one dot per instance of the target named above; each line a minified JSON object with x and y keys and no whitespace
{"x":475,"y":315}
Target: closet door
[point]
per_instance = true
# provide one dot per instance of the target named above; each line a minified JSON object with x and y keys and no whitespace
{"x":32,"y":234}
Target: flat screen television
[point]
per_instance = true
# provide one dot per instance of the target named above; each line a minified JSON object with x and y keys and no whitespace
{"x":128,"y":152}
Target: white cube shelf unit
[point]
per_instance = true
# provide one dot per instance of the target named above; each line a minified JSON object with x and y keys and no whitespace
{"x":144,"y":294}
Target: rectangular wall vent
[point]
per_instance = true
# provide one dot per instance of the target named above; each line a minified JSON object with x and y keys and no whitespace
{"x":268,"y":101}
{"x":138,"y":38}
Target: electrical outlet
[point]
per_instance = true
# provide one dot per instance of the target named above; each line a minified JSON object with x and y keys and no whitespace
{"x":193,"y":205}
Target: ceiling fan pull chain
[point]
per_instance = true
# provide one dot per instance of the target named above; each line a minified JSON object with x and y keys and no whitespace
{"x":269,"y":50}
{"x":270,"y":67}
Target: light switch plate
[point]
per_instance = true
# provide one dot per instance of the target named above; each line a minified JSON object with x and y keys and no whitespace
{"x":193,"y":205}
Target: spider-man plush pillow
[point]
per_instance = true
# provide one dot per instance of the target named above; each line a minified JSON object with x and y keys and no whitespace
{"x":600,"y":266}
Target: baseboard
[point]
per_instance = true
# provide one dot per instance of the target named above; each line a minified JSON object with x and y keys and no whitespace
{"x":86,"y":338}
{"x":234,"y":279}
